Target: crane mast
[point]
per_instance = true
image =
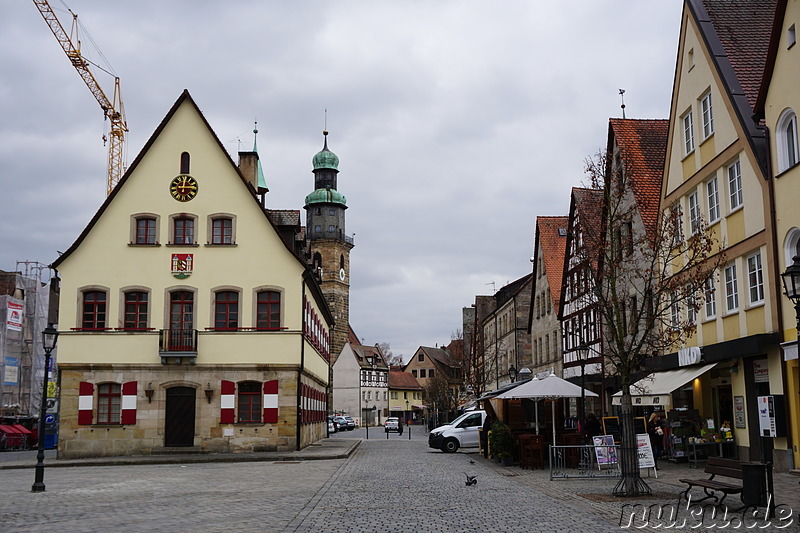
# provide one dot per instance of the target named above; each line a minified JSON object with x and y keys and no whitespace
{"x":113,"y":109}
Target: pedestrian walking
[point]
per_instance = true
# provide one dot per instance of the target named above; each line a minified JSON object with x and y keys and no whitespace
{"x":591,"y":428}
{"x":655,"y":428}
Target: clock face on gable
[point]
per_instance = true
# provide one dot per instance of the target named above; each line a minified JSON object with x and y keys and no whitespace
{"x":183,"y":187}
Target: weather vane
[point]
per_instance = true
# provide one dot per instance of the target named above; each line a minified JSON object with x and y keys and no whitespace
{"x":622,"y":97}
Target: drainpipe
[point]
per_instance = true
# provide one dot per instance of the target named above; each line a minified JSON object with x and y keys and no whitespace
{"x":302,"y":366}
{"x":776,"y":273}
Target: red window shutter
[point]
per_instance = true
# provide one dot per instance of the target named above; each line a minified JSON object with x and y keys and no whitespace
{"x":85,"y":403}
{"x":271,"y":402}
{"x":227,"y":398}
{"x":128,"y":411}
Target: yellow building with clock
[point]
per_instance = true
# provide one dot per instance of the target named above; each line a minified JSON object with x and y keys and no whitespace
{"x":186,"y":320}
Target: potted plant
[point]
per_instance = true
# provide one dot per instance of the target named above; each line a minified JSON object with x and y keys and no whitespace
{"x":501,"y":442}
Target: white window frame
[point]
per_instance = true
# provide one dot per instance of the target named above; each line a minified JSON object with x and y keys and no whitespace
{"x":755,"y":278}
{"x":674,"y":310}
{"x":731,"y":288}
{"x":735,"y":185}
{"x":708,"y":116}
{"x":691,"y":312}
{"x":677,"y":212}
{"x":688,"y":132}
{"x":710,"y":294}
{"x":786,"y":132}
{"x":712,"y":192}
{"x":694,"y":212}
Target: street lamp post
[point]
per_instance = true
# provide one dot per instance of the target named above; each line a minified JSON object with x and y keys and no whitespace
{"x":49,"y":338}
{"x":583,"y":355}
{"x":512,"y":373}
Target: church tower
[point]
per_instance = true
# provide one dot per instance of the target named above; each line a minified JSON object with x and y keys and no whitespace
{"x":329,"y":243}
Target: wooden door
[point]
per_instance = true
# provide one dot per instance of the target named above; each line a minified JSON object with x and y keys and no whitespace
{"x":180,"y":417}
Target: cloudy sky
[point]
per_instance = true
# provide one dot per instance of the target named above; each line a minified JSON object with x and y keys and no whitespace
{"x":456,"y":122}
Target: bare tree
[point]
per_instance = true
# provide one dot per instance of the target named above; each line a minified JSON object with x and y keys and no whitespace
{"x":389,"y":356}
{"x":650,"y":280}
{"x":441,"y":396}
{"x":478,"y":371}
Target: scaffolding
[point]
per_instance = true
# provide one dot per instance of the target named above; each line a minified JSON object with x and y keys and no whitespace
{"x":24,"y":310}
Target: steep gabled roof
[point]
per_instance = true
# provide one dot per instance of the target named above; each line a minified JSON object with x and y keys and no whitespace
{"x":737,"y":36}
{"x":643,"y":147}
{"x":551,"y":233}
{"x":185,"y":97}
{"x":403,"y":380}
{"x":744,"y":28}
{"x":352,"y":337}
{"x":511,"y":289}
{"x":587,"y":206}
{"x":589,"y":209}
{"x":363,"y":352}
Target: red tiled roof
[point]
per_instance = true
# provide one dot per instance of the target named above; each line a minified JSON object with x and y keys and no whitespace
{"x":643,"y":146}
{"x":403,"y":380}
{"x":352,"y":338}
{"x":589,"y":208}
{"x":554,"y":246}
{"x":744,"y":28}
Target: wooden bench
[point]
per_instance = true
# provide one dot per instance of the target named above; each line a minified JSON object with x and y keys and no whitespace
{"x":716,"y":466}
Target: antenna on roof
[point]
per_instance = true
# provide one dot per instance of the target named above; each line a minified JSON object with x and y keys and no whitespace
{"x":622,"y":97}
{"x":494,"y":289}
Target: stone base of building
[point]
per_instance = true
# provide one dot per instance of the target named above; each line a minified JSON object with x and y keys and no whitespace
{"x":183,"y":409}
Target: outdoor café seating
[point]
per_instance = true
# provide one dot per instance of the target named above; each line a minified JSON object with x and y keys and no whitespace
{"x":531,"y":451}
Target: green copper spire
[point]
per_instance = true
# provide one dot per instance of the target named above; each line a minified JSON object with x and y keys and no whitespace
{"x":325,"y":158}
{"x":262,"y":182}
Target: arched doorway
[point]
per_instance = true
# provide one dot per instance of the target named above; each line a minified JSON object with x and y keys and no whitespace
{"x":179,"y":417}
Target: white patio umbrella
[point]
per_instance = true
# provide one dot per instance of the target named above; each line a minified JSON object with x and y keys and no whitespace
{"x":549,"y":388}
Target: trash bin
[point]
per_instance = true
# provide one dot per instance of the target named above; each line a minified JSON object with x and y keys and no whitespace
{"x":754,"y":484}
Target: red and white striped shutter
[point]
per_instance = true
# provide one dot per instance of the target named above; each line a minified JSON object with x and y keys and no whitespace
{"x":128,"y":412}
{"x":307,"y":402}
{"x":85,"y":403}
{"x":271,"y":402}
{"x":303,"y":410}
{"x":227,"y":402}
{"x":319,"y":406}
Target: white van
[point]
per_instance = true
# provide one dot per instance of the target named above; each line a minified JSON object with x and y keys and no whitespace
{"x":460,"y":433}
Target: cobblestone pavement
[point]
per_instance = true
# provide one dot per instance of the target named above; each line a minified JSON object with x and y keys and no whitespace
{"x":386,"y":485}
{"x":396,"y":485}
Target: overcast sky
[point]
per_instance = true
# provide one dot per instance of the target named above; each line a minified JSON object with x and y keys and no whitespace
{"x":456,"y":122}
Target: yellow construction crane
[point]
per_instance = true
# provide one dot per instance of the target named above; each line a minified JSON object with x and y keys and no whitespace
{"x":113,"y":109}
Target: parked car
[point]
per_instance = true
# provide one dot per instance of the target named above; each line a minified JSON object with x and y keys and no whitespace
{"x":345,"y":423}
{"x":392,"y":424}
{"x":460,"y":433}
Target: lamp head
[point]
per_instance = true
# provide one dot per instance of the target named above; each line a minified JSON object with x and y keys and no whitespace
{"x":791,"y":280}
{"x":49,"y":338}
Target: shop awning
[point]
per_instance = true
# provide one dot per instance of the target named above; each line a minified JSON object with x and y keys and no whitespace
{"x":657,"y":388}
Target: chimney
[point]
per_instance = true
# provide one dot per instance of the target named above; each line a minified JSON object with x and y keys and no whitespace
{"x":248,"y":166}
